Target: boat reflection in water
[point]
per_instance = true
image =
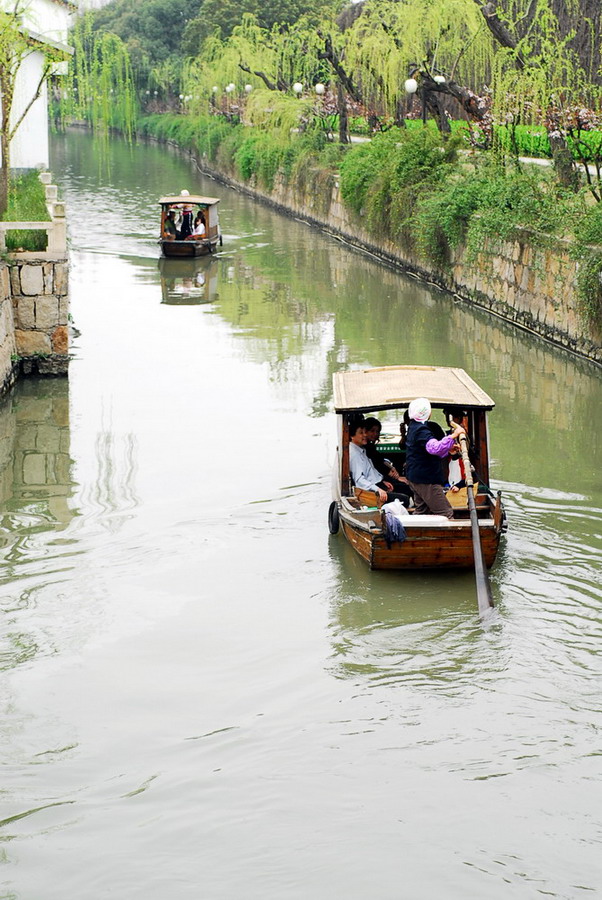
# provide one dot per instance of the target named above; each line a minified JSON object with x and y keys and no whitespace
{"x":186,"y":282}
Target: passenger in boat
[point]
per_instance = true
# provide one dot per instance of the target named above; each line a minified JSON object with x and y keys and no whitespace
{"x":185,"y":223}
{"x":423,"y":460}
{"x":169,"y":226}
{"x":198,"y":231}
{"x":385,"y":467}
{"x":365,"y":475}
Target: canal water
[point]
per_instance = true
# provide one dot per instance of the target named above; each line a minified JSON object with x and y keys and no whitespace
{"x":204,"y":695}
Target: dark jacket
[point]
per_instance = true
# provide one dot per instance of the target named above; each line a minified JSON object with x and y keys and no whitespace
{"x":377,"y":459}
{"x":421,"y":467}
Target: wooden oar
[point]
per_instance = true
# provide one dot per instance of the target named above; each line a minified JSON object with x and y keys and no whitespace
{"x":484,"y":597}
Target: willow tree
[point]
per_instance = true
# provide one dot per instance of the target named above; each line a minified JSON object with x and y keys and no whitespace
{"x":269,"y":62}
{"x":100,"y":88}
{"x":510,"y":61}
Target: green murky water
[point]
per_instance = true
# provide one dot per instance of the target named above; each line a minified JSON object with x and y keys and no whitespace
{"x":206,"y":696}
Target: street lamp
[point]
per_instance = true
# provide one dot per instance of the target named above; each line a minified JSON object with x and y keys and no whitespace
{"x":297,"y":87}
{"x":440,"y":79}
{"x":230,"y":87}
{"x":411,"y":85}
{"x":319,"y":89}
{"x":248,"y":88}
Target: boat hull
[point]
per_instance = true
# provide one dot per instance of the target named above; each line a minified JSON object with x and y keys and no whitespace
{"x":187,"y":249}
{"x":447,"y":547}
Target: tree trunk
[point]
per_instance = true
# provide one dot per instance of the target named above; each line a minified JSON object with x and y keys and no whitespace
{"x":343,"y":118}
{"x":435,"y":107}
{"x":4,"y":147}
{"x":563,"y":160}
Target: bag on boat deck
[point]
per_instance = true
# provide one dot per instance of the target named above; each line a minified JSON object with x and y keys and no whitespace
{"x":394,"y":512}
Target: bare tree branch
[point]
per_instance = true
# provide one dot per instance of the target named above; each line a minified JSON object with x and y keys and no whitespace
{"x":279,"y":85}
{"x":38,"y":91}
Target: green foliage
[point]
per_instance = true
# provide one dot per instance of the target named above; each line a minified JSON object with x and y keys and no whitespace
{"x":587,"y":251}
{"x":383,"y":180}
{"x":26,"y":203}
{"x":222,"y":16}
{"x":246,"y":152}
{"x":151,"y":30}
{"x":100,"y":87}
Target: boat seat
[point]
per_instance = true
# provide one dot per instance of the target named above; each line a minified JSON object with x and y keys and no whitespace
{"x":426,"y":519}
{"x":367,"y":498}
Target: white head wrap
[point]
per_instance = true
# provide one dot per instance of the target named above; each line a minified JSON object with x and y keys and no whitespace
{"x":419,"y":409}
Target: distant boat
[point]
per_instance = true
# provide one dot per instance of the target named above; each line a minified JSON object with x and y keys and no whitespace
{"x":431,"y":541}
{"x":186,"y":208}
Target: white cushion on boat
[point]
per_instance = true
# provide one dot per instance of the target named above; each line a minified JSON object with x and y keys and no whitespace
{"x":426,"y":520}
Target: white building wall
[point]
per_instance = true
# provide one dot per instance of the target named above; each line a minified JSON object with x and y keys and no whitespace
{"x":44,"y":19}
{"x":48,"y":18}
{"x":29,"y":147}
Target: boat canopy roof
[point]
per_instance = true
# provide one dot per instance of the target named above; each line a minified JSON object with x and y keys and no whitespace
{"x":391,"y":387}
{"x":188,"y":198}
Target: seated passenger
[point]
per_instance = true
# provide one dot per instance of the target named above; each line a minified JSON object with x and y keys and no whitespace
{"x":198,"y":230}
{"x":364,"y":473}
{"x":384,"y":466}
{"x":169,"y":226}
{"x":423,"y":461}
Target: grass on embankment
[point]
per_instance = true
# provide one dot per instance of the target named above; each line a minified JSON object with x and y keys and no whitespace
{"x":26,"y":203}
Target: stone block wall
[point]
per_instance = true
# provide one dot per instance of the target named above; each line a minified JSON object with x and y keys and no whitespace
{"x":40,"y":305}
{"x":8,"y":347}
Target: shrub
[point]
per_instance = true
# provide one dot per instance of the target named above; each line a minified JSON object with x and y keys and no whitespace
{"x":26,"y":202}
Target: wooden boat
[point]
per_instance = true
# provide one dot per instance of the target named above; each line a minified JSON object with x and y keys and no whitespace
{"x":431,"y":541}
{"x":189,"y":248}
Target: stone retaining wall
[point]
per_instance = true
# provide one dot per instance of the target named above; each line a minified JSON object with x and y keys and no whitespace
{"x":39,"y":288}
{"x":8,"y":347}
{"x":528,"y":281}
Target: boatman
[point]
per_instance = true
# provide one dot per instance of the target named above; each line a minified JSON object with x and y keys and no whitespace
{"x":423,"y":460}
{"x":365,"y":475}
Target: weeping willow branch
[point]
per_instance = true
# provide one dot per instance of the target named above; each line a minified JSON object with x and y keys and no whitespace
{"x":279,"y":85}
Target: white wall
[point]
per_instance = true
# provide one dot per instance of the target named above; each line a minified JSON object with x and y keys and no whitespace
{"x":50,"y":19}
{"x":29,"y":146}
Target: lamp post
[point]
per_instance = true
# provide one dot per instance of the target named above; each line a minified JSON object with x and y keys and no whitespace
{"x":298,"y":88}
{"x":320,"y":89}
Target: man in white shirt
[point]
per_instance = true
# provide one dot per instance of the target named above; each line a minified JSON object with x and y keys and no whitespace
{"x":365,"y":475}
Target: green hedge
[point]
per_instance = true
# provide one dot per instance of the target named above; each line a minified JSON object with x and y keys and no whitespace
{"x":247,"y":152}
{"x":26,"y":203}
